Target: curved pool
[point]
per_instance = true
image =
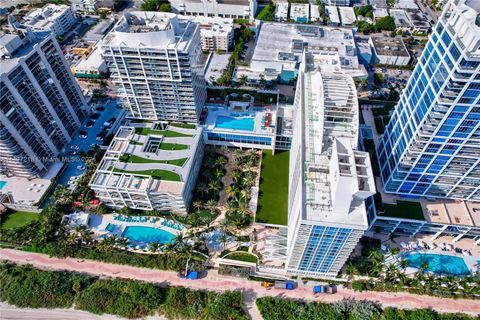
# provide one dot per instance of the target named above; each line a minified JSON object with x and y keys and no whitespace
{"x":147,"y":234}
{"x":438,"y":263}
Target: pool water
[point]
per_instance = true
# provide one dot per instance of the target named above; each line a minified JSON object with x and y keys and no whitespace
{"x":243,"y":123}
{"x":438,"y":263}
{"x":147,"y":234}
{"x":110,"y":227}
{"x":2,"y":184}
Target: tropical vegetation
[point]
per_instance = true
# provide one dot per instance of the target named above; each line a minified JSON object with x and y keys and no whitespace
{"x":24,"y":287}
{"x":280,"y":309}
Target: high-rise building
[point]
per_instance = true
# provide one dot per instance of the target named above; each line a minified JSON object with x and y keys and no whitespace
{"x":41,"y":106}
{"x":329,"y":178}
{"x":431,"y":145}
{"x":235,"y":9}
{"x":154,"y":60}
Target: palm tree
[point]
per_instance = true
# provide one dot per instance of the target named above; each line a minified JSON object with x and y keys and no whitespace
{"x":123,"y":242}
{"x":403,"y":264}
{"x":155,"y":246}
{"x":423,"y":266}
{"x":107,"y":243}
{"x":197,"y":205}
{"x":243,"y":79}
{"x":202,"y":187}
{"x":236,"y":175}
{"x":232,"y":190}
{"x":262,"y":81}
{"x":214,"y":185}
{"x":220,"y":161}
{"x":211,"y":205}
{"x":245,"y":195}
{"x":351,"y":270}
{"x":218,"y":173}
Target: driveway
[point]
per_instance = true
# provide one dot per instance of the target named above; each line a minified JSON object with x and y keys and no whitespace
{"x":215,"y":282}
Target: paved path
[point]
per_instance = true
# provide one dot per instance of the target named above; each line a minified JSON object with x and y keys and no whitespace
{"x":251,"y":289}
{"x":9,"y":312}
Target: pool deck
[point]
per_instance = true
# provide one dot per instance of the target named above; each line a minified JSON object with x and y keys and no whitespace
{"x":257,"y":113}
{"x":99,"y":224}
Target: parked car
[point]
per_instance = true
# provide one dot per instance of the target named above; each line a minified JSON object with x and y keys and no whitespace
{"x":74,"y":147}
{"x":82,"y":134}
{"x":95,"y":116}
{"x":81,"y":167}
{"x":72,"y":153}
{"x":289,"y":285}
{"x":89,"y":124}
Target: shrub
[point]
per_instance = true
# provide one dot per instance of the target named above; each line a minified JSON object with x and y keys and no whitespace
{"x":26,"y":287}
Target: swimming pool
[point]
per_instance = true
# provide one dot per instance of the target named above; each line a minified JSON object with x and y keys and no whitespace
{"x":439,"y":263}
{"x":2,"y":184}
{"x":244,"y":123}
{"x":147,"y":234}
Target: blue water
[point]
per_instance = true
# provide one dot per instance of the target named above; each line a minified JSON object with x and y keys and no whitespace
{"x":110,"y":227}
{"x":245,"y":123}
{"x":147,"y":234}
{"x":2,"y":184}
{"x":439,"y":263}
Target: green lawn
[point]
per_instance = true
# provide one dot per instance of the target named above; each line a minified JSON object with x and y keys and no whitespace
{"x":165,"y":133}
{"x":241,"y":256}
{"x":273,"y":197}
{"x":16,"y":219}
{"x":173,"y":146}
{"x":182,"y":125}
{"x":404,"y":209}
{"x":156,"y":174}
{"x":130,"y":158}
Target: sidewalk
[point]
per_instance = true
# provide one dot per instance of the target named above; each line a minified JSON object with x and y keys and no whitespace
{"x":215,"y":282}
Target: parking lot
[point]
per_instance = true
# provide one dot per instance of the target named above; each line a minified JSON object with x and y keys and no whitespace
{"x":75,"y":166}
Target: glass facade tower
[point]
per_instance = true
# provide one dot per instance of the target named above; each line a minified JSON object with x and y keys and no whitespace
{"x":431,"y":146}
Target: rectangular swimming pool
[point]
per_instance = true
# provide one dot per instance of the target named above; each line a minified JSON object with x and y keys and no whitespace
{"x":235,"y":123}
{"x":2,"y":184}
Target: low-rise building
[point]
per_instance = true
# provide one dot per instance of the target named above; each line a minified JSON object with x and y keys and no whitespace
{"x":333,"y":16}
{"x":279,"y":47}
{"x":57,"y":19}
{"x":347,"y":16}
{"x":215,"y":33}
{"x":92,"y":66}
{"x":216,"y":66}
{"x":281,"y":11}
{"x":389,"y":51}
{"x":236,"y":9}
{"x":150,"y":166}
{"x":419,"y":21}
{"x":401,"y":20}
{"x":314,"y":12}
{"x":83,"y":5}
{"x":380,"y":13}
{"x":299,"y":12}
{"x":406,"y":4}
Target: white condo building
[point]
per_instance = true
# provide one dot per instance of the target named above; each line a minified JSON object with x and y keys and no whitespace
{"x":41,"y":105}
{"x":236,"y":9}
{"x":154,"y":60}
{"x":329,"y":178}
{"x":57,"y":19}
{"x":150,"y":166}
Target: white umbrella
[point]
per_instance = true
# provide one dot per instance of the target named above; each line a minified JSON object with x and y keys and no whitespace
{"x":403,"y":245}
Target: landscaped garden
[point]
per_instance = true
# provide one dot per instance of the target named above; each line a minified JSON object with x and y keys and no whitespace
{"x":403,"y":209}
{"x":131,"y":158}
{"x":17,"y":219}
{"x":239,"y":191}
{"x":173,"y":146}
{"x":27,"y":287}
{"x":240,"y":256}
{"x":144,"y":131}
{"x":273,"y":195}
{"x":155,"y":173}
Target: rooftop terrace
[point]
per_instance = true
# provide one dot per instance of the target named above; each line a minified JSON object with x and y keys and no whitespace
{"x":149,"y":157}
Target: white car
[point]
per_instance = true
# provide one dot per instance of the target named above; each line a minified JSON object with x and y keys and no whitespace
{"x":81,"y":167}
{"x":74,"y":147}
